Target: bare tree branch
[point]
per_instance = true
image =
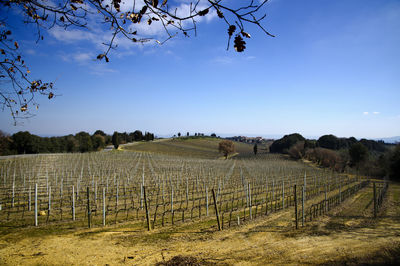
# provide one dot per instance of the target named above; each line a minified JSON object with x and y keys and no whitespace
{"x":18,"y":91}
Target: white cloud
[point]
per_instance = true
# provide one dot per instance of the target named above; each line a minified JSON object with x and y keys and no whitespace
{"x":376,"y":113}
{"x":98,"y":34}
{"x":100,"y":69}
{"x":223,"y":60}
{"x":78,"y":57}
{"x":30,"y":51}
{"x":71,"y":35}
{"x":365,"y":113}
{"x":83,"y":57}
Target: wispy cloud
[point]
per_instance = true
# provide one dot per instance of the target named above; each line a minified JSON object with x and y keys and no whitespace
{"x":100,"y":69}
{"x":78,"y":57}
{"x":374,"y":113}
{"x":71,"y":36}
{"x":97,"y":34}
{"x":223,"y":60}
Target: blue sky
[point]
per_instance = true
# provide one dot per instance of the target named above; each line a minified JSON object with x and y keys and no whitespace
{"x":333,"y":68}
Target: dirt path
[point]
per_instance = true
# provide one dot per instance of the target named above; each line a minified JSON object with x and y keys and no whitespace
{"x":347,"y":235}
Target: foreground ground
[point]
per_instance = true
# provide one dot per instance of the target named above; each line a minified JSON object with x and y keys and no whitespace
{"x":348,"y":235}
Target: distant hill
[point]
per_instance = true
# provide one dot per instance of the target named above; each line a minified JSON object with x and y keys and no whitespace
{"x":391,"y":140}
{"x":202,"y":147}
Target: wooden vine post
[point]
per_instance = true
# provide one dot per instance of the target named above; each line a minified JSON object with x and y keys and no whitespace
{"x":295,"y":206}
{"x":88,"y":206}
{"x":216,"y":210}
{"x":147,"y":210}
{"x":375,"y":202}
{"x":36,"y":204}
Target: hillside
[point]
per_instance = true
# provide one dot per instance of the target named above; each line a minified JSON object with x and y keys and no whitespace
{"x":205,"y":147}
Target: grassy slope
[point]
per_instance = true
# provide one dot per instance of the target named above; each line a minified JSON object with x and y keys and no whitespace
{"x":205,"y":148}
{"x":348,"y":235}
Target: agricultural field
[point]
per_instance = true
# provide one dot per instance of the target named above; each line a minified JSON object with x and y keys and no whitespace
{"x":177,"y":200}
{"x":204,"y":148}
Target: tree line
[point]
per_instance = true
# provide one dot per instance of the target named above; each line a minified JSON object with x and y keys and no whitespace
{"x":369,"y":157}
{"x":24,"y":142}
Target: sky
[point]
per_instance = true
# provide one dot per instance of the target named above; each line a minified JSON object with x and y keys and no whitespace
{"x":333,"y":68}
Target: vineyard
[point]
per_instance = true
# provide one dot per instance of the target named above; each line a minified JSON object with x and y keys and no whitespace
{"x":164,"y":193}
{"x":107,"y":188}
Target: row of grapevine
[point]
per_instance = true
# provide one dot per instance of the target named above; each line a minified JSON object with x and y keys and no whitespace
{"x":177,"y":189}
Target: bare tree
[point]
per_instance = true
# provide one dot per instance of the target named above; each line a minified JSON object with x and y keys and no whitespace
{"x":122,"y":20}
{"x":226,"y":147}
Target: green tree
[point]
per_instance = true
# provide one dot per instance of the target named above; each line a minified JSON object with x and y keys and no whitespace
{"x":98,"y":142}
{"x":226,"y":147}
{"x":84,"y":141}
{"x":71,"y":143}
{"x":137,"y":135}
{"x":358,"y":154}
{"x":394,"y":164}
{"x":283,"y":145}
{"x":100,"y":132}
{"x":5,"y":144}
{"x":115,"y":140}
{"x":22,"y":142}
{"x":328,"y":142}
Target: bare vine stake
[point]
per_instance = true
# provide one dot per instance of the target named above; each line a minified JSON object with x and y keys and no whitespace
{"x":49,"y":207}
{"x":141,"y":196}
{"x":104,"y":206}
{"x":147,"y":211}
{"x":73,"y":203}
{"x":295,"y":206}
{"x":88,"y":205}
{"x":29,"y":199}
{"x":305,"y":185}
{"x":207,"y":200}
{"x":302,"y":206}
{"x":172,"y":199}
{"x":273,"y":190}
{"x":216,"y":210}
{"x":247,"y":195}
{"x":283,"y":194}
{"x":375,"y":202}
{"x":250,"y":206}
{"x":95,"y":194}
{"x":13,"y":193}
{"x":36,"y":205}
{"x":326,"y":197}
